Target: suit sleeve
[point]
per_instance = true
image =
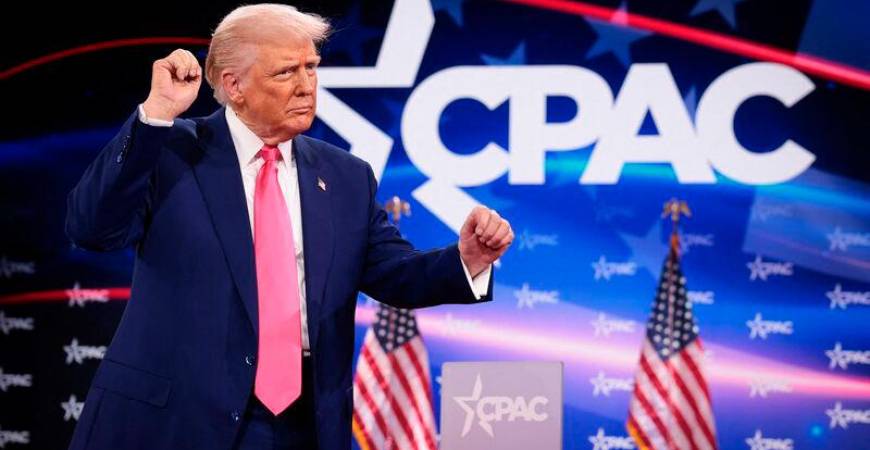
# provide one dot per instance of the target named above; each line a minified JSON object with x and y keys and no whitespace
{"x":397,"y":274}
{"x":106,"y":210}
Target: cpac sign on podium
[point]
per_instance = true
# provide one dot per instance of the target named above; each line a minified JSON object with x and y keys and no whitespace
{"x":501,"y":405}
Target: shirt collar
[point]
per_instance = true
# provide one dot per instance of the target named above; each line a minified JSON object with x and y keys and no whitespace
{"x":249,"y":144}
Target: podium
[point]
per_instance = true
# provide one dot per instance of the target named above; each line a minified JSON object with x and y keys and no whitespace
{"x":511,"y":405}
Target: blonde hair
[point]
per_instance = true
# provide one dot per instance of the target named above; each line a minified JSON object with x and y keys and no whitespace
{"x":233,"y":44}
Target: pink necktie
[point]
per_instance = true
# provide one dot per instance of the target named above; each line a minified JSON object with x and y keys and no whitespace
{"x":278,"y":380}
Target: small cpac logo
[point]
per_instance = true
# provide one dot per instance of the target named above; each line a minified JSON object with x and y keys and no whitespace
{"x":8,"y":324}
{"x":602,"y":442}
{"x":13,"y":379}
{"x":841,"y":241}
{"x":761,"y":387}
{"x":843,"y":417}
{"x":759,"y":442}
{"x":78,"y":353}
{"x":760,"y":270}
{"x":528,"y":298}
{"x":13,"y":437}
{"x":605,"y":270}
{"x":529,"y":241}
{"x":491,"y":409}
{"x":842,"y":358}
{"x":8,"y":268}
{"x":603,"y":385}
{"x":604,"y":326}
{"x":760,"y":328}
{"x":842,"y":299}
{"x":78,"y":296}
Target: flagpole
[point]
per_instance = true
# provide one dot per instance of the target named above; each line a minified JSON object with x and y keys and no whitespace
{"x":675,"y":209}
{"x":395,"y":207}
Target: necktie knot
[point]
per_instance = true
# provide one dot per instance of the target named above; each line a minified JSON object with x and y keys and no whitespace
{"x":270,"y":153}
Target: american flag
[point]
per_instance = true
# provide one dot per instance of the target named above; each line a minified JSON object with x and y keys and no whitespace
{"x":670,"y":406}
{"x":392,"y":389}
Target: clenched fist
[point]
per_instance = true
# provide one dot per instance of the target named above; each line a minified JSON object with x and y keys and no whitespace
{"x":175,"y":83}
{"x":484,"y":237}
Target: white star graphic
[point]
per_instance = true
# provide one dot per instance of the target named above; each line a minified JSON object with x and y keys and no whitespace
{"x":756,"y":269}
{"x":756,"y":327}
{"x":838,"y":416}
{"x":599,"y":441}
{"x":838,"y":357}
{"x":469,"y":410}
{"x":72,"y":408}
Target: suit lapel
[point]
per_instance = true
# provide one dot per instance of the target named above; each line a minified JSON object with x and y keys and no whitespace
{"x":220,"y":181}
{"x":318,"y":231}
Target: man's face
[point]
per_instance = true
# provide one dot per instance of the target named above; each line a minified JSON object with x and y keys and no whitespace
{"x":280,"y":88}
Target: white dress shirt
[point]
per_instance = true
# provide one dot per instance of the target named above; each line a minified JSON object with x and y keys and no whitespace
{"x":247,"y":146}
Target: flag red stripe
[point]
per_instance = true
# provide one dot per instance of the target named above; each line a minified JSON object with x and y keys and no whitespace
{"x":702,"y":383}
{"x":423,"y":374}
{"x":647,"y":407}
{"x":403,"y":381}
{"x":382,"y":382}
{"x":665,"y":395}
{"x":701,"y":420}
{"x":376,"y":413}
{"x":427,"y":421}
{"x":368,"y":444}
{"x":637,"y":429}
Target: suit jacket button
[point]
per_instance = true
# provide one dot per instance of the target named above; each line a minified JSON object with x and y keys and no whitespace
{"x":235,"y":416}
{"x":249,"y":360}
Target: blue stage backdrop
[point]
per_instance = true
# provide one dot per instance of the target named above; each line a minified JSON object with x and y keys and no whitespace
{"x":576,"y":121}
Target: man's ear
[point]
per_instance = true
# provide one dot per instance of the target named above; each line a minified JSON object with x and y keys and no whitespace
{"x":232,"y":87}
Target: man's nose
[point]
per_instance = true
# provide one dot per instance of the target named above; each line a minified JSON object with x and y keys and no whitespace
{"x":306,"y":82}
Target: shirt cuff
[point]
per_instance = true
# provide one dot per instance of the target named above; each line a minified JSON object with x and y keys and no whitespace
{"x":480,"y":284}
{"x":153,"y":122}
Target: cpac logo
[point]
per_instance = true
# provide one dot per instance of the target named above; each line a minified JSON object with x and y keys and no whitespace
{"x":760,"y":328}
{"x":603,"y":385}
{"x":842,"y":298}
{"x":701,"y":297}
{"x":72,"y":408}
{"x":78,"y":296}
{"x":13,"y":437}
{"x":763,"y":211}
{"x":9,"y":268}
{"x":843,"y":417}
{"x":602,"y":442}
{"x":459,"y":326}
{"x":842,"y":358}
{"x":759,"y":442}
{"x":611,"y":123}
{"x":8,"y":324}
{"x":687,"y":241}
{"x":492,"y":409}
{"x":527,"y":298}
{"x":604,"y":326}
{"x":761,"y":387}
{"x":78,"y":353}
{"x":760,"y":269}
{"x":605,"y":270}
{"x":529,"y":241}
{"x":11,"y":379}
{"x":841,"y":240}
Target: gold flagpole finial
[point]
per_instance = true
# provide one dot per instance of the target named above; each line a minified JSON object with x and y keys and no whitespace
{"x":397,"y":208}
{"x":675,"y":208}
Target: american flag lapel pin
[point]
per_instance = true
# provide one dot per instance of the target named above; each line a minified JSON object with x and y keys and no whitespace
{"x":321,"y":184}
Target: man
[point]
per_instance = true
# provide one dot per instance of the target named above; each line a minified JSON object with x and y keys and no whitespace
{"x":251,"y":244}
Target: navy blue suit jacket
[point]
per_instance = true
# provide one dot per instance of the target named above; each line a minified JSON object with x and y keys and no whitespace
{"x":180,"y":368}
